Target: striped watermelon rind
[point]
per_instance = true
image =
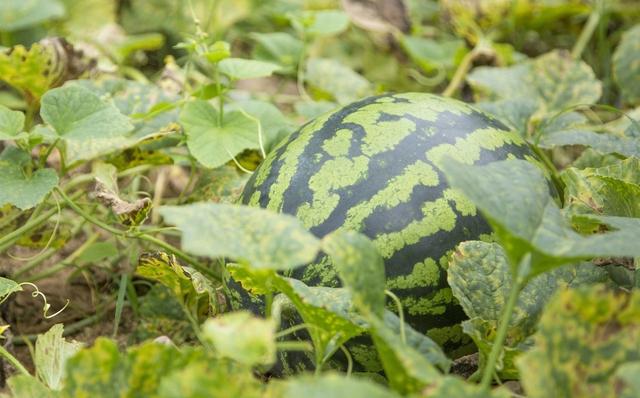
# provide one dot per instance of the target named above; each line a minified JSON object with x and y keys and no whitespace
{"x":373,"y":167}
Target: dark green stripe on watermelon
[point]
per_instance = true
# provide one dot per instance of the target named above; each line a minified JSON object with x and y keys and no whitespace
{"x":372,"y":166}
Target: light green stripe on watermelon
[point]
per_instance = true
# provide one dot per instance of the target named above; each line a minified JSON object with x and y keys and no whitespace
{"x":339,"y":145}
{"x":438,"y":216}
{"x":396,"y":192}
{"x":334,"y":174}
{"x":290,"y":166}
{"x":436,"y":304}
{"x":423,"y":274}
{"x":467,"y":150}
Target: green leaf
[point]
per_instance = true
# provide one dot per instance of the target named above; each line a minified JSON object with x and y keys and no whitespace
{"x":329,"y":385}
{"x":360,"y":268}
{"x":628,"y":376}
{"x":584,"y":337}
{"x":329,"y":310}
{"x":336,"y":80}
{"x":453,"y":387}
{"x":8,"y":287}
{"x":11,"y":124}
{"x":602,"y":142}
{"x":320,"y":23}
{"x":479,"y":277}
{"x":532,"y":223}
{"x":262,"y":238}
{"x":88,"y":125}
{"x":238,"y":68}
{"x":214,"y":143}
{"x":278,"y":47}
{"x":17,"y":14}
{"x":20,"y":189}
{"x":242,"y":337}
{"x":194,"y":292}
{"x":626,"y":65}
{"x":406,"y":368}
{"x":52,"y":353}
{"x":612,"y":190}
{"x":274,"y":125}
{"x":25,"y":386}
{"x":432,"y":55}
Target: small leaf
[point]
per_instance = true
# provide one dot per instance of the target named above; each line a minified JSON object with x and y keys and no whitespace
{"x":584,"y":337}
{"x":360,"y":268}
{"x":337,"y":80}
{"x":453,"y":387}
{"x":20,"y":189}
{"x":242,"y":337}
{"x":329,"y":385}
{"x":273,"y":124}
{"x":628,"y":376}
{"x":602,"y":142}
{"x":626,"y":65}
{"x":278,"y":47}
{"x":88,"y":125}
{"x":51,"y":355}
{"x":320,"y":23}
{"x":263,"y":238}
{"x":214,"y":143}
{"x":433,"y":55}
{"x":238,"y":68}
{"x":11,"y":124}
{"x":8,"y":287}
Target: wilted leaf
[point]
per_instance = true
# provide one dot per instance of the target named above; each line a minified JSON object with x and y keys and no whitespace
{"x":128,"y":213}
{"x":193,"y":292}
{"x":584,"y":337}
{"x":378,"y":15}
{"x":238,"y":68}
{"x":26,"y":70}
{"x":214,"y":142}
{"x":20,"y":189}
{"x":242,"y":337}
{"x":260,"y":237}
{"x":337,"y":80}
{"x":88,"y":125}
{"x":626,"y":65}
{"x":52,"y":353}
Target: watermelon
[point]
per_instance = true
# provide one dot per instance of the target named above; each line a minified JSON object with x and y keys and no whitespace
{"x":373,"y":167}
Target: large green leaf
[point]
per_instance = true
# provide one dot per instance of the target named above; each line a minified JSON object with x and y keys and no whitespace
{"x":18,"y":187}
{"x":21,"y":14}
{"x":214,"y":142}
{"x":479,"y":277}
{"x":360,"y":267}
{"x":626,"y":65}
{"x":87,"y":125}
{"x":329,"y":385}
{"x":51,"y":355}
{"x":532,"y":222}
{"x":262,"y":238}
{"x":584,"y":337}
{"x":602,"y":142}
{"x":242,"y":337}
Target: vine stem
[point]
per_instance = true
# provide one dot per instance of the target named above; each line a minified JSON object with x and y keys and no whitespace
{"x":501,"y":335}
{"x":136,"y":235}
{"x":13,"y":361}
{"x":588,"y":30}
{"x":463,"y":68}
